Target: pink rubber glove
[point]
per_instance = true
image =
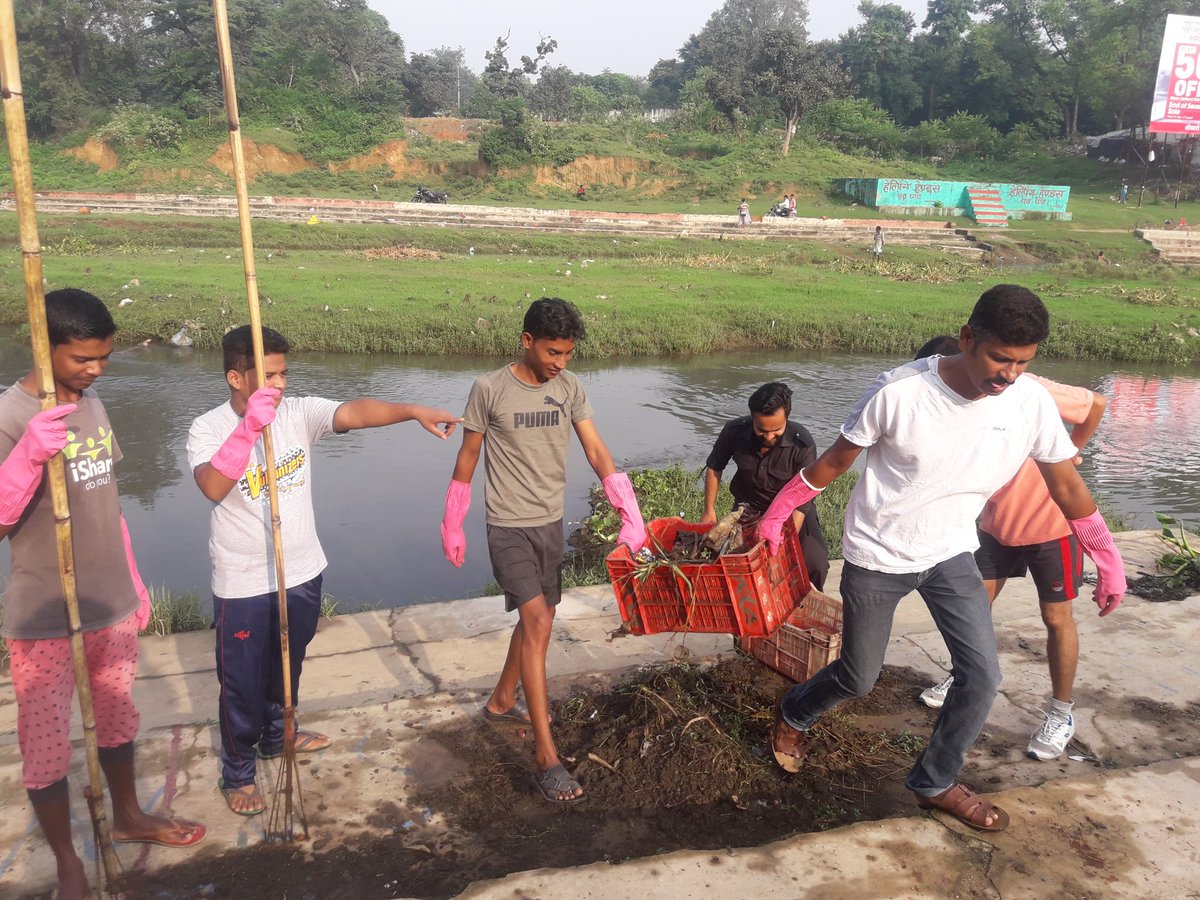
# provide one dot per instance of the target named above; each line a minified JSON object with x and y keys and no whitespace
{"x":454,"y":539}
{"x":795,"y":493}
{"x":234,"y":455}
{"x":142,"y":614}
{"x":1094,"y":537}
{"x":619,"y":492}
{"x":21,"y":471}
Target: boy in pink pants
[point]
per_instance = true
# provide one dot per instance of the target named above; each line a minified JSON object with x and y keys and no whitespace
{"x":113,"y":603}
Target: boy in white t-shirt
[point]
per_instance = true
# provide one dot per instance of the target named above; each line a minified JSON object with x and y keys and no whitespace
{"x":942,"y":435}
{"x":225,"y":454}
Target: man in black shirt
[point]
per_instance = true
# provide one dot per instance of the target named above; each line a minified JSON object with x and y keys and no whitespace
{"x":768,"y":451}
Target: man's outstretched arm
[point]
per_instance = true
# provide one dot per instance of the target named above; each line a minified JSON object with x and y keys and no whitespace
{"x":367,"y":412}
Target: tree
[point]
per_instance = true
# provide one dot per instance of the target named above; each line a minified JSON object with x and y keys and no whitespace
{"x":879,"y":55}
{"x":505,"y":81}
{"x":1059,"y":36}
{"x":433,"y":81}
{"x":997,"y":82}
{"x":798,"y":75}
{"x":614,"y":85}
{"x":551,"y":96}
{"x":665,"y":83}
{"x":587,"y":104}
{"x":939,"y":50}
{"x":728,"y":45}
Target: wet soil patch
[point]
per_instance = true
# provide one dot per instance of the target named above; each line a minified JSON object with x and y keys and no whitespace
{"x":671,"y":758}
{"x":1161,"y":588}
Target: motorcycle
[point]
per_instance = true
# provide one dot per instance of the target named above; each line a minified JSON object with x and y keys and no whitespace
{"x":425,"y":195}
{"x":780,"y":209}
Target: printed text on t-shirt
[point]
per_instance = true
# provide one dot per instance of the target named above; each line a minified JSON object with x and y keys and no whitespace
{"x":84,"y":458}
{"x":290,"y":472}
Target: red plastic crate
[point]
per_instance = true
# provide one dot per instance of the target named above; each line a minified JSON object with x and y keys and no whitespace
{"x":740,"y":594}
{"x":808,"y":641}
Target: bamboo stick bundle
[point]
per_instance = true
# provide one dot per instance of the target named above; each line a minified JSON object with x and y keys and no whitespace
{"x":31,"y":257}
{"x":287,"y":804}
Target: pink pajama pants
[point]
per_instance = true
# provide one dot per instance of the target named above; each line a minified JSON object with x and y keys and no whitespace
{"x":44,"y":681}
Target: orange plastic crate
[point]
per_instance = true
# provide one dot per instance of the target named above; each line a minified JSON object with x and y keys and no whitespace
{"x":740,"y":594}
{"x":808,"y":641}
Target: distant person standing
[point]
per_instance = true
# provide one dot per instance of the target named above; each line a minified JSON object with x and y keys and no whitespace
{"x":743,"y":213}
{"x":791,"y":206}
{"x":1124,"y":190}
{"x":877,"y":243}
{"x":581,"y":194}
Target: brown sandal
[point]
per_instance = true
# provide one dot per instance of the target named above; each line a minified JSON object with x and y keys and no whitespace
{"x":790,"y":760}
{"x":968,"y":807}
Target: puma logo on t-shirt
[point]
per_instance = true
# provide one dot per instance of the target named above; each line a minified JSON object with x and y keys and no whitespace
{"x":545,"y":419}
{"x":550,"y":401}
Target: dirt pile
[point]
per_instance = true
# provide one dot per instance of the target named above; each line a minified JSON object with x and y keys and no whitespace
{"x":673,"y":758}
{"x":96,"y":152}
{"x":440,"y":128}
{"x":261,"y":159}
{"x":610,"y":171}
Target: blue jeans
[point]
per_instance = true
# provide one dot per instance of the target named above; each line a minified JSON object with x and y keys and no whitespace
{"x":957,"y":600}
{"x":250,"y":672}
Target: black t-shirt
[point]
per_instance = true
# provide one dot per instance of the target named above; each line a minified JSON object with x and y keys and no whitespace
{"x":760,"y":476}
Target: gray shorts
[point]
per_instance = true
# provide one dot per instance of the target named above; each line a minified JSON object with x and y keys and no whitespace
{"x":527,"y":562}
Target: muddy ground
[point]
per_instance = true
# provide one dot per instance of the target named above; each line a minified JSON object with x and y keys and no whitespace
{"x":671,"y":758}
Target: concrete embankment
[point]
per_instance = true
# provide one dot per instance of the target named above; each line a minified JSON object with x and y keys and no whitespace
{"x":1117,"y":820}
{"x":928,"y":233}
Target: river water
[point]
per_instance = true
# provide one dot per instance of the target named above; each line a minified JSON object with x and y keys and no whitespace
{"x":378,"y":494}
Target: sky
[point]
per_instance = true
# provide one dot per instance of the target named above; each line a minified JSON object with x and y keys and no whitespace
{"x":626,"y":36}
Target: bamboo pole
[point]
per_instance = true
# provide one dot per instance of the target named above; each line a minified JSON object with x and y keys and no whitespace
{"x":31,"y":258}
{"x":289,"y":774}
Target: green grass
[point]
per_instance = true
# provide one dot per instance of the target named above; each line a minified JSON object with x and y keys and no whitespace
{"x":175,"y":613}
{"x":639,"y":297}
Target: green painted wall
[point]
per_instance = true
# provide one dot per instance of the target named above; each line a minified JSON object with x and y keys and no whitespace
{"x":951,"y":196}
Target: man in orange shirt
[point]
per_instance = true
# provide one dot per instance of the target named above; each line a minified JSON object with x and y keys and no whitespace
{"x":1021,"y":531}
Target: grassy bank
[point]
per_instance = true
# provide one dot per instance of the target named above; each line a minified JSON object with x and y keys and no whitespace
{"x":640,"y":297}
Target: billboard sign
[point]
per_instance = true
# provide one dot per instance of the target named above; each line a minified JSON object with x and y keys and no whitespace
{"x":1176,"y":106}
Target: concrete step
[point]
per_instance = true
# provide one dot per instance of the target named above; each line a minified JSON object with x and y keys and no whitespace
{"x":300,"y":209}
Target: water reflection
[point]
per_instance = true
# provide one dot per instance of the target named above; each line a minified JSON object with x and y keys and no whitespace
{"x":378,"y":494}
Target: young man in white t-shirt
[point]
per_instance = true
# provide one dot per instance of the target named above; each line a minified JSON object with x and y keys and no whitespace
{"x":1023,"y":532}
{"x":942,"y":435}
{"x":225,"y":454}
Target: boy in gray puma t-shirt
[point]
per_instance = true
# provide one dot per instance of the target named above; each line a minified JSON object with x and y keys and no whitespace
{"x":521,"y":417}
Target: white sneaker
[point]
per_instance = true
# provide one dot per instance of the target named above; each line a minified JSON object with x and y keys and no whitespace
{"x":935,"y":696}
{"x":1051,"y":739}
